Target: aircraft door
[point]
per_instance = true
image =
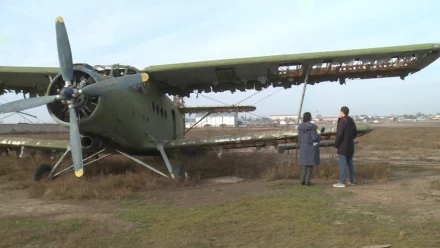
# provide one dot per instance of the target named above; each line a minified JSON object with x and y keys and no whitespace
{"x":174,"y":125}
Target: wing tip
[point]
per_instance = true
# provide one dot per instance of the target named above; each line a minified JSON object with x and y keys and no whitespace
{"x":79,"y":173}
{"x":59,"y":19}
{"x":144,"y":77}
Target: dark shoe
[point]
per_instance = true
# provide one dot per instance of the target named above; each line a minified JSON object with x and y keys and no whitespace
{"x":303,"y":183}
{"x":309,"y":184}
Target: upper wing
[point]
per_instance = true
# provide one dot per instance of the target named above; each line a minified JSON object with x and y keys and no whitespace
{"x":287,"y":70}
{"x":260,"y":139}
{"x":32,"y":80}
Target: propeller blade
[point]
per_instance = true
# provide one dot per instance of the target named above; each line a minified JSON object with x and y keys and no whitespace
{"x":64,"y":52}
{"x":26,"y":103}
{"x":75,"y":143}
{"x":117,"y":83}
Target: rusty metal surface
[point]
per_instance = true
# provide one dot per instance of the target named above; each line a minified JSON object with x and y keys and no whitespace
{"x":338,"y":69}
{"x":258,"y":73}
{"x":260,"y":139}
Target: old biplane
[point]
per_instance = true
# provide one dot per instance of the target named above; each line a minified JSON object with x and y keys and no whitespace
{"x":124,"y":110}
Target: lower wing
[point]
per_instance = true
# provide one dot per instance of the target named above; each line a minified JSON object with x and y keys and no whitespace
{"x":13,"y":143}
{"x":259,"y":139}
{"x":20,"y":144}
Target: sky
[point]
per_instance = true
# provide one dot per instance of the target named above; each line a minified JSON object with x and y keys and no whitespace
{"x":144,"y":33}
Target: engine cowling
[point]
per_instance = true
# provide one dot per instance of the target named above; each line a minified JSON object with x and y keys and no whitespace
{"x":85,"y":105}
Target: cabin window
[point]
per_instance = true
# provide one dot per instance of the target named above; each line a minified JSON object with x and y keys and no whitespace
{"x":152,"y":105}
{"x":157,"y":109}
{"x":166,"y":114}
{"x":161,"y":112}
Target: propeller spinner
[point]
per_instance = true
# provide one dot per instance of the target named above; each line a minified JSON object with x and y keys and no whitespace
{"x":68,"y":94}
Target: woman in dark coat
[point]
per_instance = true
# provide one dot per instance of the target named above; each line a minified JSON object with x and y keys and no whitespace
{"x":308,"y":140}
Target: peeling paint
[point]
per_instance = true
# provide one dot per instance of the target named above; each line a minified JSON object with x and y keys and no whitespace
{"x":254,"y":139}
{"x":285,"y":71}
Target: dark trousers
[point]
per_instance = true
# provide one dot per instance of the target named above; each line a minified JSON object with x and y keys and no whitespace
{"x":306,"y":174}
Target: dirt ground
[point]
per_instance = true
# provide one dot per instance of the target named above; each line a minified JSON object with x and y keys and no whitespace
{"x":410,"y":151}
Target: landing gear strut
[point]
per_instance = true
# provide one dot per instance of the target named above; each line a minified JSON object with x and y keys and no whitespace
{"x":176,"y":173}
{"x":46,"y":171}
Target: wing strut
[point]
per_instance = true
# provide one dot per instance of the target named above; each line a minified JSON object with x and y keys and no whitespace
{"x":197,"y":122}
{"x":306,"y":79}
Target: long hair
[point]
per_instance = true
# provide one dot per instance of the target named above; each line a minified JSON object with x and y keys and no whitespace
{"x":307,"y":117}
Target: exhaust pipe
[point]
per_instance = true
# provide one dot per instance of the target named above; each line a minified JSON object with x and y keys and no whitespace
{"x":91,"y":142}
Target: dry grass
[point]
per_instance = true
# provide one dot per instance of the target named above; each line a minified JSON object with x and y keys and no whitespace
{"x":329,"y":170}
{"x":402,"y":138}
{"x":117,"y":177}
{"x":435,"y":185}
{"x":292,"y":215}
{"x":246,"y":165}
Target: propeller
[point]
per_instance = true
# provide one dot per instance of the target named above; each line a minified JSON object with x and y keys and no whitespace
{"x":27,"y":103}
{"x":64,"y":51}
{"x":69,"y":94}
{"x":75,"y":143}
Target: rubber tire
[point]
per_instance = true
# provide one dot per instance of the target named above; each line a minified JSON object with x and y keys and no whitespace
{"x":179,"y":170}
{"x":42,"y":171}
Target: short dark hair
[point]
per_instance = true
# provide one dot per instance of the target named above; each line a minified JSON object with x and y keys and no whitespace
{"x":307,"y":117}
{"x":345,"y":110}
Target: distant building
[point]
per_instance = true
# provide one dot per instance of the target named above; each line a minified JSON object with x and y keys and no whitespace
{"x":283,"y":117}
{"x":213,"y":120}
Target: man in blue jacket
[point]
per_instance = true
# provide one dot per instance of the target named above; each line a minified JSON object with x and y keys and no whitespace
{"x":345,"y":134}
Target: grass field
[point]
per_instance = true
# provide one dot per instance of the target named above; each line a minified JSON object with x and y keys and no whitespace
{"x":120,"y":204}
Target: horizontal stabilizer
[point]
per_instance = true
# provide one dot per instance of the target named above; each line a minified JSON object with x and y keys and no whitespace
{"x":216,"y":109}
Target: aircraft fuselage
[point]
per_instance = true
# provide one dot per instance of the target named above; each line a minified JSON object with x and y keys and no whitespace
{"x":132,"y":119}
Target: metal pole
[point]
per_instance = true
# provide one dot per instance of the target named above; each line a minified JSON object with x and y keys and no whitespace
{"x":306,"y":79}
{"x":198,"y":122}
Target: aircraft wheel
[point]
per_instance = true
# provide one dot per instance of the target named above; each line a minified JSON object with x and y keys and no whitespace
{"x":179,"y":171}
{"x":42,"y":171}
